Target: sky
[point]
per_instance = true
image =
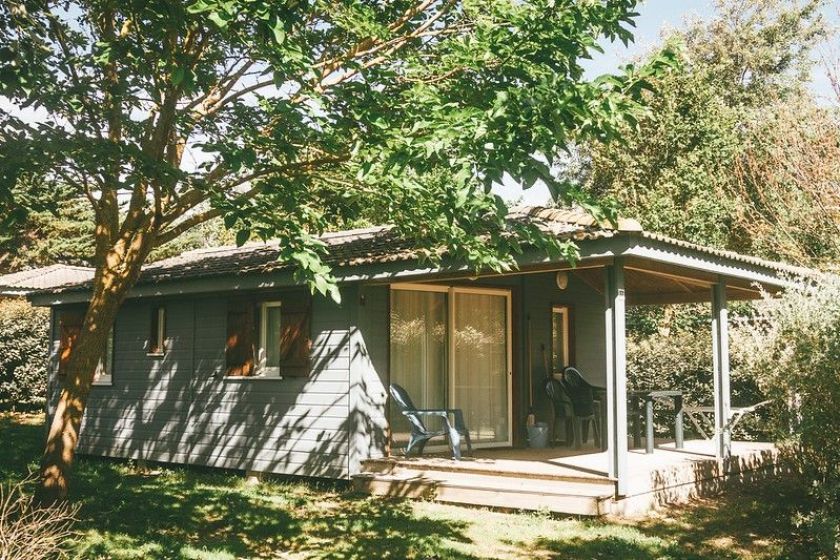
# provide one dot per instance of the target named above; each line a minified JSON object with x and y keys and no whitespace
{"x":655,"y":16}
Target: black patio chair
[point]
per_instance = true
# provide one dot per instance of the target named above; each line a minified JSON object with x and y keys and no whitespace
{"x":573,"y":400}
{"x":563,"y":413}
{"x":420,"y":435}
{"x":585,"y":405}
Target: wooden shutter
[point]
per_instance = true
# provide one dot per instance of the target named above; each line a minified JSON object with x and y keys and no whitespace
{"x":69,"y":326}
{"x":241,"y":335}
{"x":295,"y":335}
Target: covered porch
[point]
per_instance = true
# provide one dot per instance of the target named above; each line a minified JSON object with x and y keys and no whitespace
{"x":545,"y":317}
{"x":562,"y":480}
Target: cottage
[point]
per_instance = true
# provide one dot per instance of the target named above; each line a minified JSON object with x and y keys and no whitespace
{"x":218,"y":358}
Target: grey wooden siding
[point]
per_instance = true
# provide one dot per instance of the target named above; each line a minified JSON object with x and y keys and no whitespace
{"x":144,"y":413}
{"x":537,"y":294}
{"x":540,"y":293}
{"x":369,"y":376}
{"x":180,"y":408}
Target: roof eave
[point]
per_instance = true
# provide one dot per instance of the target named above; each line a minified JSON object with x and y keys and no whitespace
{"x":635,"y":244}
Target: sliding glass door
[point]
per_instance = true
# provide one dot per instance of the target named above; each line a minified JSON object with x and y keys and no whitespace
{"x":450,"y":348}
{"x":419,"y":354}
{"x":479,"y":369}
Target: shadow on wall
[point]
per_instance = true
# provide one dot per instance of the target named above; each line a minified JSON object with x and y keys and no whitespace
{"x":159,"y":410}
{"x":708,"y":477}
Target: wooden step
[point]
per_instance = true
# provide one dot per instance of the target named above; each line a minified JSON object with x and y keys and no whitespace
{"x":558,"y":496}
{"x":498,"y":468}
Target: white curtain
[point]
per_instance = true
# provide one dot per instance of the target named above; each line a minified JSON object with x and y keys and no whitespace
{"x":418,"y":354}
{"x":480,"y":376}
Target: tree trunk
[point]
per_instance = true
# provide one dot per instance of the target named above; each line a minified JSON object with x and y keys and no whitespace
{"x":112,"y":282}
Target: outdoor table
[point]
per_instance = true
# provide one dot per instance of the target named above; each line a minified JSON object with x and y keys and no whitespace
{"x":636,"y":398}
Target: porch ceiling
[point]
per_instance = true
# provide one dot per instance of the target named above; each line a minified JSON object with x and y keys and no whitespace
{"x":649,"y":283}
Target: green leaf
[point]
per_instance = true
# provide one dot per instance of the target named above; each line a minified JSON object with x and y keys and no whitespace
{"x":178,"y":76}
{"x":198,"y":7}
{"x":279,"y":32}
{"x":217,"y":18}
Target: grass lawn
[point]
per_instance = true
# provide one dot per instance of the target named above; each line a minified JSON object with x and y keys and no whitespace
{"x":187,"y":513}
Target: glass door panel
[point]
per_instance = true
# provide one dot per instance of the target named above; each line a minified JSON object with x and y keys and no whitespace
{"x":479,"y":381}
{"x":419,"y":356}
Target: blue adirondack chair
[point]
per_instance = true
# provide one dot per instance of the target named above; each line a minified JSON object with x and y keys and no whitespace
{"x":420,"y":435}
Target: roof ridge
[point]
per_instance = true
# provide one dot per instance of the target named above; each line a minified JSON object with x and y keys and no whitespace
{"x":572,"y":215}
{"x":223,"y":248}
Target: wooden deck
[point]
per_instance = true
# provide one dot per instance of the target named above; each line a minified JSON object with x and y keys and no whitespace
{"x":564,"y":481}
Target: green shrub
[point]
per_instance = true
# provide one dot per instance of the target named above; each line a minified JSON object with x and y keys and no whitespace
{"x":24,"y":355}
{"x":682,"y":359}
{"x":795,"y":355}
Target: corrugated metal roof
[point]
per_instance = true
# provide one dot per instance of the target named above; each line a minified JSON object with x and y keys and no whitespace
{"x":45,"y":278}
{"x":374,"y":245}
{"x":731,"y":255}
{"x":381,"y":244}
{"x":570,"y":217}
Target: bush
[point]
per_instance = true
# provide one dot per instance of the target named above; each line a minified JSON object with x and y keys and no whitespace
{"x":682,"y":359}
{"x":795,"y":355}
{"x":24,"y":355}
{"x":31,"y":532}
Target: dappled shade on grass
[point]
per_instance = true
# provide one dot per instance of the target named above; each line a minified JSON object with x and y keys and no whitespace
{"x":207,"y":514}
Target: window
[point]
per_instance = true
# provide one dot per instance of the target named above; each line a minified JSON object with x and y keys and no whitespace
{"x":70,"y":325}
{"x":268,"y":338}
{"x":271,"y":327}
{"x":560,"y":358}
{"x":450,"y":347}
{"x":157,"y":331}
{"x":104,"y":371}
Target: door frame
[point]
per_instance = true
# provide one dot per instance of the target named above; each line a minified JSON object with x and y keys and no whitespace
{"x":451,"y":291}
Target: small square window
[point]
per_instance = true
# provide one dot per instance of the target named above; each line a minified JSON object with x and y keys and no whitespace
{"x":268,"y":339}
{"x":70,"y":327}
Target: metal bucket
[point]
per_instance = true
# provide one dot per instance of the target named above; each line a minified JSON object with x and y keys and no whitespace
{"x":538,"y":435}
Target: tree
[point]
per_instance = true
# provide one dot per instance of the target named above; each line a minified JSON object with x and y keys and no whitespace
{"x":24,"y":357}
{"x":282,"y":118}
{"x":52,"y":234}
{"x":735,"y":152}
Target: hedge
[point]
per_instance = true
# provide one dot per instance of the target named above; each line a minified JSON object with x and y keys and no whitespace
{"x":24,"y":355}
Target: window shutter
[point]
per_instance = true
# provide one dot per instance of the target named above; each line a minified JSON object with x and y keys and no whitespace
{"x":295,"y":335}
{"x":239,"y":349}
{"x":70,"y":325}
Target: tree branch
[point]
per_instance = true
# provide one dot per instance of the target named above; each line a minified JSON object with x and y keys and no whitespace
{"x":201,"y":217}
{"x":60,"y":38}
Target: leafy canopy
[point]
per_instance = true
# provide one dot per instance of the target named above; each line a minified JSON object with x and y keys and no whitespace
{"x":288,"y":118}
{"x":735,"y":151}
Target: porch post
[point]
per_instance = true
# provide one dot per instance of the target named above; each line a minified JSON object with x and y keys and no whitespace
{"x":720,"y":361}
{"x":616,"y":374}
